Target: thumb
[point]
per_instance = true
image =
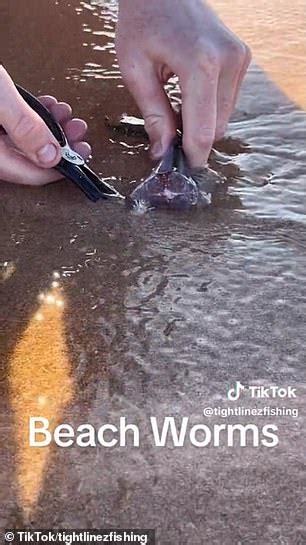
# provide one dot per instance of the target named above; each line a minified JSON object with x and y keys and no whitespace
{"x":151,"y":98}
{"x":25,"y":128}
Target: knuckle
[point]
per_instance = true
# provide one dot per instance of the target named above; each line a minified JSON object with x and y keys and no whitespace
{"x":206,"y":57}
{"x":153,"y":123}
{"x":159,"y":131}
{"x":24,"y":128}
{"x":235,"y":52}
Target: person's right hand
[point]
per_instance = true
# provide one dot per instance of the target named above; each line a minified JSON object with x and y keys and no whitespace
{"x":156,"y":39}
{"x":29,"y":150}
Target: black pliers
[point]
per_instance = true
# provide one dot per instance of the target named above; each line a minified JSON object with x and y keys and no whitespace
{"x":71,"y":165}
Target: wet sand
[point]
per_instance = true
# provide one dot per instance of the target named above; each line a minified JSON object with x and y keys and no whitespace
{"x":107,"y":314}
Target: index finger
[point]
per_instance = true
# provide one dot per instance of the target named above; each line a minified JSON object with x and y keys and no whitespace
{"x":199,"y":114}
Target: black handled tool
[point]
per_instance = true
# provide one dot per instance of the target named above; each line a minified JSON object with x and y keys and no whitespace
{"x":71,"y":165}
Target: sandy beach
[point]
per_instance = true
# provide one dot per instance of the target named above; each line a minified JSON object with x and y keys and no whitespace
{"x":106,"y":314}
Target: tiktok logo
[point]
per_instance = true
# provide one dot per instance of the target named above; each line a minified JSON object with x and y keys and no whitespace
{"x":234,"y":393}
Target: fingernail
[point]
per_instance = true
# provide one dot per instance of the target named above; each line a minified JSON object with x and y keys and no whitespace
{"x":47,"y":154}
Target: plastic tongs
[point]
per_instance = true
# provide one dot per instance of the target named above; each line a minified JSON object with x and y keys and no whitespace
{"x":71,"y":165}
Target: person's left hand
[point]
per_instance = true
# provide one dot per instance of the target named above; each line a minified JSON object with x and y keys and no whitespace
{"x":17,"y":168}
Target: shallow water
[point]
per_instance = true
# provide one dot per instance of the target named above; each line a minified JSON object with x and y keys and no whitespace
{"x":106,"y":314}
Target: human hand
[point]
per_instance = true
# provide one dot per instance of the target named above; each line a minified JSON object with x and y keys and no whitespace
{"x":155,"y":40}
{"x":29,"y":150}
